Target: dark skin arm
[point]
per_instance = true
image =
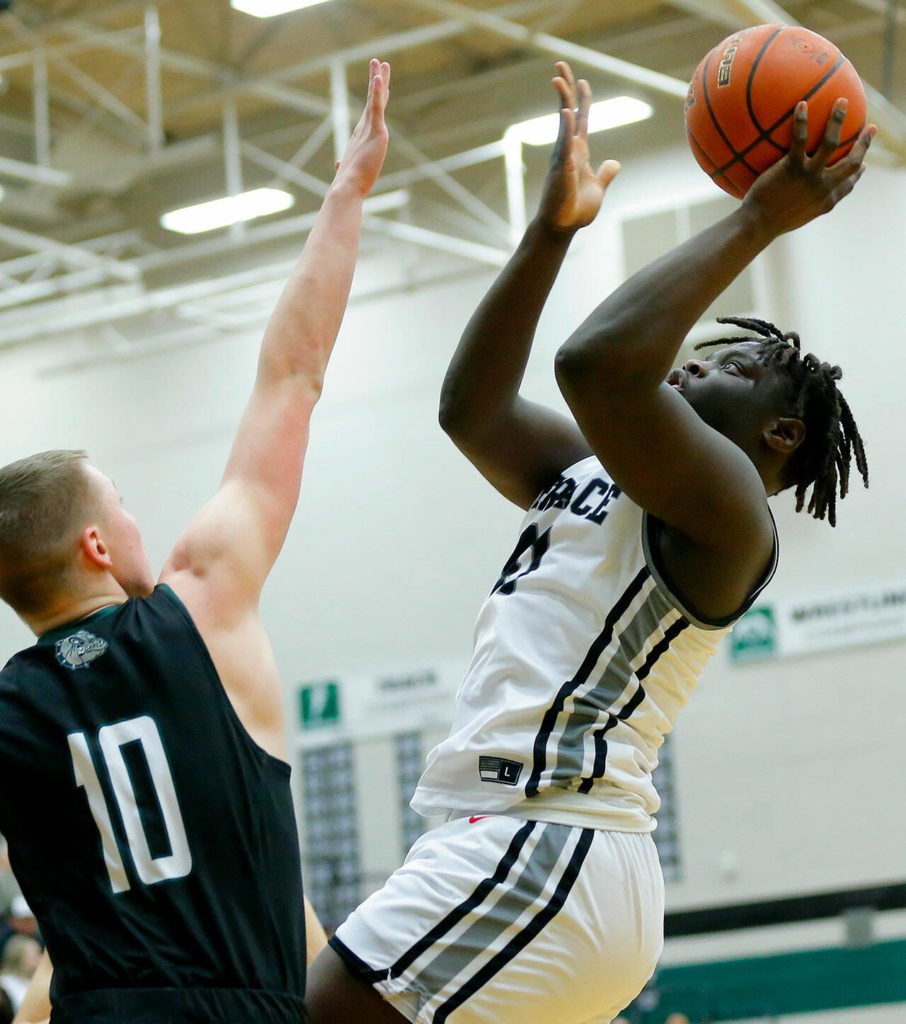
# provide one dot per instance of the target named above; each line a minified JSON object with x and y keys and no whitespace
{"x":708,"y":490}
{"x":518,"y":445}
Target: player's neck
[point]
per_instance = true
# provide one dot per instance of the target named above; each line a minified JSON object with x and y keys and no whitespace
{"x":72,"y":607}
{"x":771,"y":473}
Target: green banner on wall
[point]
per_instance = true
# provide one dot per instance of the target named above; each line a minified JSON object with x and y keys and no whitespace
{"x":769,"y":987}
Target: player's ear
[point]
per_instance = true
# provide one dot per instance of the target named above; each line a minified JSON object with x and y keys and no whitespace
{"x":94,"y":548}
{"x":784,"y":434}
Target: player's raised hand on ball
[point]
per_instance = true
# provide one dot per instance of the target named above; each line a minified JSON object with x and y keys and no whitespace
{"x":573,"y":191}
{"x":800,"y":187}
{"x":364,"y":156}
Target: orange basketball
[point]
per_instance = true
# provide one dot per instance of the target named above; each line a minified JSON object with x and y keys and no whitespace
{"x":739,"y":109}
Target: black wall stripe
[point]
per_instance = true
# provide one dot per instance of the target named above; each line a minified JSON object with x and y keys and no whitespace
{"x":786,"y":910}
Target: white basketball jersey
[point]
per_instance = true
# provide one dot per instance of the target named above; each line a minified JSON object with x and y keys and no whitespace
{"x":583,"y":659}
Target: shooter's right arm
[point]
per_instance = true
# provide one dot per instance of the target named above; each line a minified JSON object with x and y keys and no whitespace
{"x":518,"y":445}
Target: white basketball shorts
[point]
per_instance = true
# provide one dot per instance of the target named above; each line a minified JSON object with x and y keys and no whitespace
{"x":497,"y":920}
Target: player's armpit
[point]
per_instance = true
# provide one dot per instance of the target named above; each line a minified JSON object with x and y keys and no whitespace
{"x":702,"y":485}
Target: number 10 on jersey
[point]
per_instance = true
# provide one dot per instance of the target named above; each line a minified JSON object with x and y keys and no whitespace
{"x":111,"y":740}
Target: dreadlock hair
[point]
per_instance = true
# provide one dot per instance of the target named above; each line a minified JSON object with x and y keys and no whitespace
{"x":831,"y":439}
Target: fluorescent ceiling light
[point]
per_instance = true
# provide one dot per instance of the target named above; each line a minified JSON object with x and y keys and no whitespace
{"x":220,"y":213}
{"x":271,"y":8}
{"x":540,"y":131}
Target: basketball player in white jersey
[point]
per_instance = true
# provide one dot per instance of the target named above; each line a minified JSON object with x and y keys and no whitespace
{"x":647,"y":534}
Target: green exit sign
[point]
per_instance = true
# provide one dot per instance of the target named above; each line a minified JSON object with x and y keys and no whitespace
{"x":754,"y":636}
{"x":319,"y":704}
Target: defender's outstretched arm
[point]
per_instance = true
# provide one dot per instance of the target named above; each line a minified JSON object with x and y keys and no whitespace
{"x":221,"y":561}
{"x":238,"y":535}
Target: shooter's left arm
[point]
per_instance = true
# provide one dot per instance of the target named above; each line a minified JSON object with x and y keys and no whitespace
{"x":612,"y":370}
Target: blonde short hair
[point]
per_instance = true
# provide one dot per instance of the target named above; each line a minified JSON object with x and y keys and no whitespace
{"x":45,"y":500}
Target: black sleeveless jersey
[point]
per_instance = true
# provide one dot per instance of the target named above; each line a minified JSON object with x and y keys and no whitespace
{"x":153,"y":839}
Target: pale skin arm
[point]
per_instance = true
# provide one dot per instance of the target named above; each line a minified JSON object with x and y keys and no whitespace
{"x":35,"y":1008}
{"x":220,"y":563}
{"x":315,"y":936}
{"x":518,"y":445}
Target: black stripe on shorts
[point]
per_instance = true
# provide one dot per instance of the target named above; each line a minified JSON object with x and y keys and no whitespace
{"x":361,"y":970}
{"x":520,"y":941}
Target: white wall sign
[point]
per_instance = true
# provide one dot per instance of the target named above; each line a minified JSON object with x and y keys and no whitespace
{"x":377,"y":704}
{"x":868,"y":615}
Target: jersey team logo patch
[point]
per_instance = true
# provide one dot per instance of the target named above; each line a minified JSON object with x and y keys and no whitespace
{"x":79,"y":649}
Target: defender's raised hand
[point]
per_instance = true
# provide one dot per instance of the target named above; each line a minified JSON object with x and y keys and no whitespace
{"x":573,"y":191}
{"x":367,"y":146}
{"x":800,"y":187}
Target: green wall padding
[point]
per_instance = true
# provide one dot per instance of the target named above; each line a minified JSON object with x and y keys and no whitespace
{"x":801,"y":982}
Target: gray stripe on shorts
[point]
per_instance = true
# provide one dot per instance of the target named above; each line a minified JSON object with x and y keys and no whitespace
{"x":526,"y":889}
{"x":645,"y":627}
{"x":542,"y":916}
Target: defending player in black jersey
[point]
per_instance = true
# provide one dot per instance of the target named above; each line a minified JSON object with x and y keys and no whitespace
{"x":647,"y":533}
{"x":151,"y":825}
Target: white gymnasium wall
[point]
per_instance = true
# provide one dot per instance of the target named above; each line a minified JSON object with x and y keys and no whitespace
{"x":786,"y":772}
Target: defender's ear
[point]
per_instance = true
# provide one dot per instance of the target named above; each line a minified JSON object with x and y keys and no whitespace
{"x":785,"y":434}
{"x":94,"y":548}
